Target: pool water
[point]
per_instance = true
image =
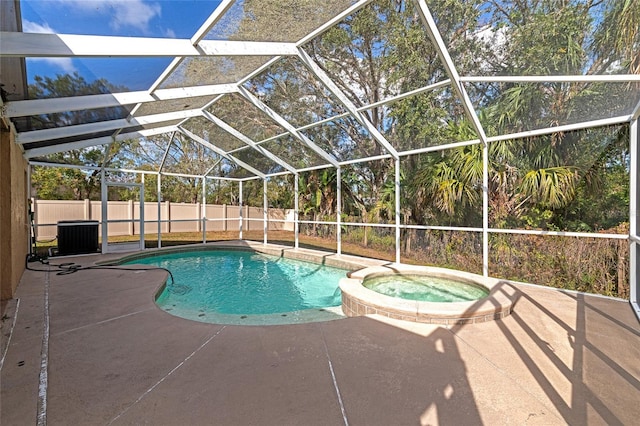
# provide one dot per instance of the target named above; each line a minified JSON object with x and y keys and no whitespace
{"x":235,"y":286}
{"x":425,"y":288}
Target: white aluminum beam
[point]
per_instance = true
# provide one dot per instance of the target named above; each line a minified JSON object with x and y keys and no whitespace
{"x":104,"y":210}
{"x":179,"y":175}
{"x":101,"y":126}
{"x":634,"y":216}
{"x":78,"y":103}
{"x":338,"y":210}
{"x":636,"y":112}
{"x":437,"y":148}
{"x":240,"y":220}
{"x":365,"y":159}
{"x":259,"y":70}
{"x":238,"y":135}
{"x":443,"y":53}
{"x":604,"y":78}
{"x":251,"y":178}
{"x":39,"y":45}
{"x":220,"y":152}
{"x":107,"y":148}
{"x":210,"y":169}
{"x":217,"y":14}
{"x":564,"y":128}
{"x":296,"y":207}
{"x":166,"y":151}
{"x":318,"y":167}
{"x":349,"y":11}
{"x":397,"y":187}
{"x":287,"y":126}
{"x":64,"y":166}
{"x":166,"y":73}
{"x":159,"y":207}
{"x":485,"y":210}
{"x":424,"y":89}
{"x":559,"y":233}
{"x":442,"y":228}
{"x":265,"y":213}
{"x":245,"y":48}
{"x":52,"y":149}
{"x":84,"y":167}
{"x":230,"y":179}
{"x":285,"y":173}
{"x":344,"y":100}
{"x":404,"y":95}
{"x":197,"y":37}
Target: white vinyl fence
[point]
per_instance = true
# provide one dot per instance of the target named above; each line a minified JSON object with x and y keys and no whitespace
{"x":175,"y":217}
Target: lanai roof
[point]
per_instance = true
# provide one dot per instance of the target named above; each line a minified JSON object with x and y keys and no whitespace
{"x":226,"y":88}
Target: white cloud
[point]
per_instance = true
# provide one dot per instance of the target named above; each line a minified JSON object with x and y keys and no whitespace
{"x":170,"y":33}
{"x":32,"y":27}
{"x":134,"y":13}
{"x":66,"y":64}
{"x":122,"y":13}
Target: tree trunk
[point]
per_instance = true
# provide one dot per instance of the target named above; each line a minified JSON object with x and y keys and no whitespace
{"x":623,"y":279}
{"x":407,"y":242}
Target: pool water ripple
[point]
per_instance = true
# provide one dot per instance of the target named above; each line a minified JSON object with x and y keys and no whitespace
{"x":242,"y":287}
{"x":425,"y":288}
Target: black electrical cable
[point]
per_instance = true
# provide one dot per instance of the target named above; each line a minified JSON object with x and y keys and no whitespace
{"x":71,"y":268}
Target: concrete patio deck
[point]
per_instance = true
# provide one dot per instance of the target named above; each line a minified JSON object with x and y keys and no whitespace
{"x":113,"y":357}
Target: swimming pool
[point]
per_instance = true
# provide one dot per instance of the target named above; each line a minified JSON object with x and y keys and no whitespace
{"x":247,"y":287}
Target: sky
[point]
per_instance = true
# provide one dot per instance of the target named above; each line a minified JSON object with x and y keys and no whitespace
{"x":134,"y":18}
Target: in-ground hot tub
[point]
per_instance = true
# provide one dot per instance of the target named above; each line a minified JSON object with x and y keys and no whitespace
{"x":426,"y":294}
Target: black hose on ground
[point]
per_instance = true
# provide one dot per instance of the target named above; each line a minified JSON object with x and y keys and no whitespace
{"x":71,"y":267}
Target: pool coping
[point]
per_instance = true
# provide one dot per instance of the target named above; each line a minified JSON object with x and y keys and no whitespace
{"x":341,"y":261}
{"x":358,"y":300}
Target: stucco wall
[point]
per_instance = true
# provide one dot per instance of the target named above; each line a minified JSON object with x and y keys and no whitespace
{"x":14,"y":223}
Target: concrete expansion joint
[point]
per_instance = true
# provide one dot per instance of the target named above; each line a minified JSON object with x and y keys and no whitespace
{"x":173,"y":370}
{"x":43,"y":381}
{"x":104,"y":321}
{"x":333,"y":378}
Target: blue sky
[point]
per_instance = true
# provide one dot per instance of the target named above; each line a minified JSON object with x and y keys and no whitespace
{"x":136,"y":18}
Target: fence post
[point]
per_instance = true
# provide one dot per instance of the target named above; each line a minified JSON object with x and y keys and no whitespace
{"x":199,"y":217}
{"x":167,"y":206}
{"x":87,"y":209}
{"x":131,"y":217}
{"x":224,"y":217}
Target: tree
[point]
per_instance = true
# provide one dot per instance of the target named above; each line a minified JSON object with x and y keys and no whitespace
{"x":534,"y":181}
{"x":67,"y":85}
{"x":72,"y":183}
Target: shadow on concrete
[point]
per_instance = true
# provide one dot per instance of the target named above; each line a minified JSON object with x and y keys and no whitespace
{"x":391,"y":376}
{"x":574,"y":343}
